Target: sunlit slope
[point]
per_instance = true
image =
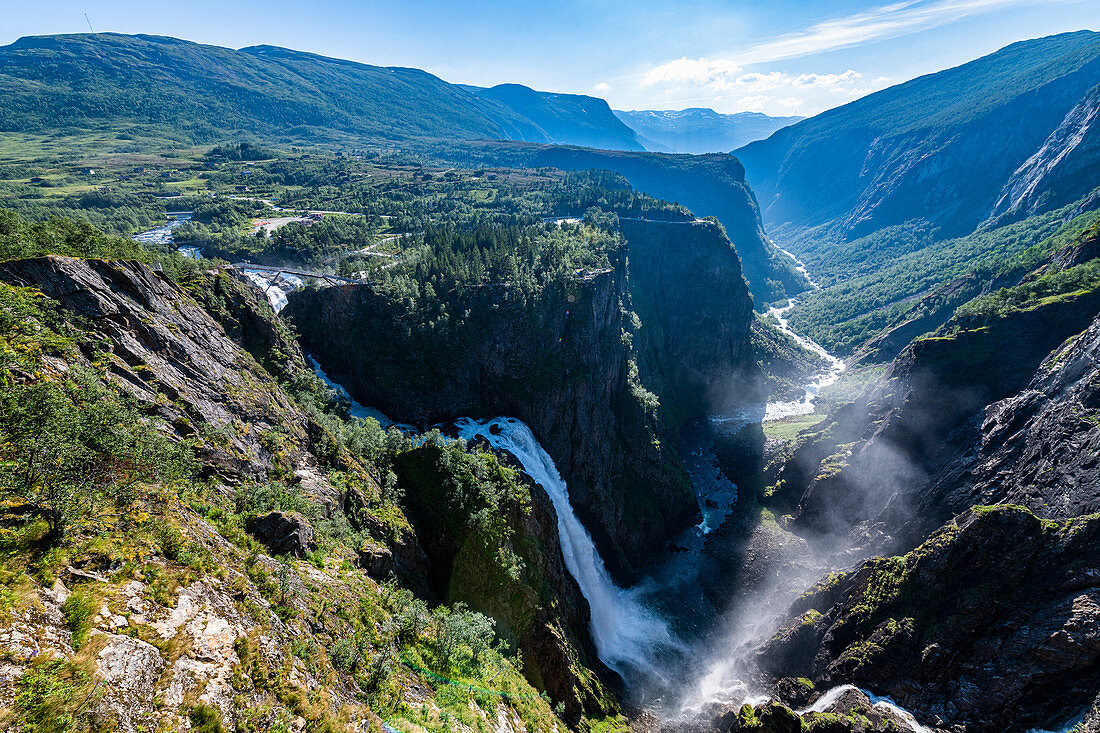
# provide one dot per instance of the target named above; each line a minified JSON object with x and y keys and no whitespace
{"x":206,"y":92}
{"x":943,"y":147}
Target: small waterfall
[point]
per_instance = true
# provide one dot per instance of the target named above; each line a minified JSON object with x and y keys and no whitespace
{"x":826,"y":702}
{"x":276,"y":286}
{"x":628,"y":635}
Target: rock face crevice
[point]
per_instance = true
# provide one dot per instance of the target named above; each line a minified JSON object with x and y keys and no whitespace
{"x":564,"y":363}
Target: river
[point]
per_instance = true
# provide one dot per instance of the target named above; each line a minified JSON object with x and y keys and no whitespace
{"x":276,"y":286}
{"x":804,"y":406}
{"x":677,"y":653}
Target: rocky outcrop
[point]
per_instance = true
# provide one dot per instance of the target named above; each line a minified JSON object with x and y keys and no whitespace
{"x":913,"y":439}
{"x":844,"y":709}
{"x":1039,"y":448}
{"x":170,"y":355}
{"x":180,"y":364}
{"x":248,"y":320}
{"x":156,"y":340}
{"x":150,"y":656}
{"x":283,"y":533}
{"x":992,"y":624}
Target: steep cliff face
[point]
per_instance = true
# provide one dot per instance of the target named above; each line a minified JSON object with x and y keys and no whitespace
{"x":710,"y":185}
{"x":1061,"y":168}
{"x":1039,"y":448}
{"x":992,"y":624}
{"x":172,"y":356}
{"x":559,"y":364}
{"x":916,"y":438}
{"x":564,"y":364}
{"x":685,"y":285}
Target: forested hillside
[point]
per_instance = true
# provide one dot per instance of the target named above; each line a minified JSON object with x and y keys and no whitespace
{"x":178,"y":88}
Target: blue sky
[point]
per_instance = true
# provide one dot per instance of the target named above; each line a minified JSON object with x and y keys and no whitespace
{"x":773,"y":56}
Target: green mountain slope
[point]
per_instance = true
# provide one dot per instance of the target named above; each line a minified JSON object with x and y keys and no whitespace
{"x":207,"y":92}
{"x":942,"y":147}
{"x":561,"y":118}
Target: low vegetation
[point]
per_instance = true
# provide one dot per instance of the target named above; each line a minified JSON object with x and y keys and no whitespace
{"x":98,"y":498}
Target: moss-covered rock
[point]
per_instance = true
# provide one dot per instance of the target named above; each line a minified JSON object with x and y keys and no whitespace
{"x":992,"y":623}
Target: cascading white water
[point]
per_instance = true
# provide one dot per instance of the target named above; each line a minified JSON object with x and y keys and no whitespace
{"x":804,"y":406}
{"x":826,"y":702}
{"x":276,"y":286}
{"x":628,"y":635}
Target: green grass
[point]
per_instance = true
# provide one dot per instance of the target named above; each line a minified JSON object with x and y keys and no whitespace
{"x":788,"y":428}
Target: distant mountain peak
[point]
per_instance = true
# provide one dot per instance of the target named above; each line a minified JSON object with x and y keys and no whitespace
{"x":700,"y":129}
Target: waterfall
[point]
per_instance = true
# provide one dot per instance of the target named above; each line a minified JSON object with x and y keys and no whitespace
{"x":276,"y":286}
{"x":626,"y":632}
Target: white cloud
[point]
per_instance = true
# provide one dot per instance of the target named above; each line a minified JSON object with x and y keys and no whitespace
{"x":785,"y":91}
{"x":603,"y":86}
{"x":887,"y":21}
{"x":720,"y":79}
{"x":769,"y":105}
{"x":697,"y":71}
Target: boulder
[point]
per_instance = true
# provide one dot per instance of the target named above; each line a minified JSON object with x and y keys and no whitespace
{"x":283,"y":533}
{"x":377,"y":561}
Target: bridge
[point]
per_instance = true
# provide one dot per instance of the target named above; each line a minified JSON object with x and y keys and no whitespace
{"x":331,"y":279}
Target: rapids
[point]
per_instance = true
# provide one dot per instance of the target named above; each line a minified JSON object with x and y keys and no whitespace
{"x":804,"y":406}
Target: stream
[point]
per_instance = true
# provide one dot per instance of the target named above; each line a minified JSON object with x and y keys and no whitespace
{"x":805,"y":405}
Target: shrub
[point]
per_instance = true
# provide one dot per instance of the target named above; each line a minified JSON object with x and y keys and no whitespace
{"x":206,"y":719}
{"x":72,"y":452}
{"x":50,"y":697}
{"x":345,"y":655}
{"x":462,"y":635}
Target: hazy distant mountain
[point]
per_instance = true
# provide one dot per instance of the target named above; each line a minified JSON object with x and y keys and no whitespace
{"x":207,"y":92}
{"x":700,"y":130}
{"x":1012,"y":133}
